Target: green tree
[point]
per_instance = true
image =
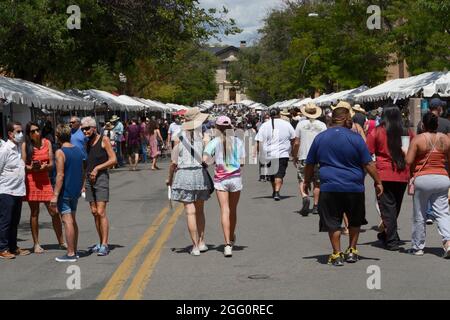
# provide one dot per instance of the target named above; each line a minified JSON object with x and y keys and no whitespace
{"x":37,"y":45}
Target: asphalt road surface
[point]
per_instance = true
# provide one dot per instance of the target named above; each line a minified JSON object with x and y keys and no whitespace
{"x":278,"y":254}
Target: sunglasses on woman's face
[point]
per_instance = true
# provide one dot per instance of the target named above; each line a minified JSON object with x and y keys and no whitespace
{"x":34,"y":131}
{"x":84,"y":129}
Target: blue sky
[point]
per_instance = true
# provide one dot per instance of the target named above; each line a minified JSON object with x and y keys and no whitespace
{"x":249,"y":15}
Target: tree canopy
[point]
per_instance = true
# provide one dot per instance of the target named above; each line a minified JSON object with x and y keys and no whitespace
{"x":326,"y":46}
{"x":115,"y":36}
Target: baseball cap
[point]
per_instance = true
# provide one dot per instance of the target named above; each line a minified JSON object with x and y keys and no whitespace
{"x":436,"y":102}
{"x":223,"y":121}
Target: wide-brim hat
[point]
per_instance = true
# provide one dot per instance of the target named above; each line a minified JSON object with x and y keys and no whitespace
{"x":345,"y":105}
{"x":193,"y":119}
{"x":109,"y":126}
{"x":311,"y":111}
{"x":358,"y":108}
{"x":114,"y":118}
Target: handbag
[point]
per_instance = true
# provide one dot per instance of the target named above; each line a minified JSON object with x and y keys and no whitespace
{"x":196,"y":156}
{"x":411,"y":188}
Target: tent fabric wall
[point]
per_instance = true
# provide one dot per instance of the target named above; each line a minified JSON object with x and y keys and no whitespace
{"x":24,"y":92}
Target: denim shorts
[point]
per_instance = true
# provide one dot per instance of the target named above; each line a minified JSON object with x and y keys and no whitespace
{"x":233,"y":184}
{"x":67,"y":205}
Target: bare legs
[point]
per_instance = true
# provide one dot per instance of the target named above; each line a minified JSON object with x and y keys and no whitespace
{"x":154,"y":161}
{"x":34,"y":222}
{"x":136,"y":161}
{"x":98,"y":210}
{"x":228,"y":202}
{"x":71,"y":230}
{"x":335,"y":238}
{"x":196,"y":221}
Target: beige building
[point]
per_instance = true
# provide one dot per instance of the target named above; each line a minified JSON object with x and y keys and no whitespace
{"x":228,"y":93}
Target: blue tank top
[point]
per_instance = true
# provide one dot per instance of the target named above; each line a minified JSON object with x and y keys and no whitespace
{"x":73,"y":173}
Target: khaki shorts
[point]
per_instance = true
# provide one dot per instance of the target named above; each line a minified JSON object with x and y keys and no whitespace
{"x":301,"y":172}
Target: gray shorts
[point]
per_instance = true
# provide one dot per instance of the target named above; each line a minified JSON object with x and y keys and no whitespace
{"x":99,"y":191}
{"x":301,"y":172}
{"x":233,"y":184}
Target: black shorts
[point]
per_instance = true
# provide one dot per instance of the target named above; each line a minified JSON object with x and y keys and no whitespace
{"x":133,"y":149}
{"x":333,"y":205}
{"x":280,"y":165}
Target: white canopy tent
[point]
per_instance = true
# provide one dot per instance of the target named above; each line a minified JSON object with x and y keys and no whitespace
{"x":150,"y":105}
{"x":333,"y":99}
{"x":133,"y":104}
{"x":276,"y":104}
{"x":302,"y":102}
{"x":258,"y":106}
{"x":288,"y":104}
{"x":206,"y":105}
{"x":103,"y":97}
{"x":27,"y":93}
{"x":399,"y":89}
{"x":247,"y":102}
{"x":177,"y":107}
{"x":441,"y":87}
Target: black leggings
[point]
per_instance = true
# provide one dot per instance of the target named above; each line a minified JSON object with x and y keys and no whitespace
{"x":390,"y":204}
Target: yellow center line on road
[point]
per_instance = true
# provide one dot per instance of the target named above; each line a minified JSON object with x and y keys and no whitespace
{"x":112,"y":289}
{"x":137,"y":286}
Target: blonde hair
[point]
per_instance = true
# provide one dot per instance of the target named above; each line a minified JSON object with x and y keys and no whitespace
{"x":63,"y":133}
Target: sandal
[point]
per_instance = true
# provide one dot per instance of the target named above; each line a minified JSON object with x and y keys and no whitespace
{"x":38,"y":249}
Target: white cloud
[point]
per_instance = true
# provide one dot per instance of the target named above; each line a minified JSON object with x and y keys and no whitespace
{"x":248,"y":14}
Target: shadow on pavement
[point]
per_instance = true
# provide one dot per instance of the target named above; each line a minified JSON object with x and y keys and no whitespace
{"x":323,"y":259}
{"x":270,"y":197}
{"x":219,"y":248}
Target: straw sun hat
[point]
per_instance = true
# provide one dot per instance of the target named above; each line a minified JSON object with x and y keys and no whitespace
{"x":311,"y":111}
{"x":193,"y":119}
{"x":345,"y":105}
{"x":358,"y":108}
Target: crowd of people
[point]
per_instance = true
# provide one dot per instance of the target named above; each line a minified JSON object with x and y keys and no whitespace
{"x":333,"y":150}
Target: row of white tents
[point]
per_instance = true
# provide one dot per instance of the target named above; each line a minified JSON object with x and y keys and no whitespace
{"x":22,"y":92}
{"x":426,"y":84}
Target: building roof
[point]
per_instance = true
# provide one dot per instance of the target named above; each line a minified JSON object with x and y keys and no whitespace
{"x":219,"y":50}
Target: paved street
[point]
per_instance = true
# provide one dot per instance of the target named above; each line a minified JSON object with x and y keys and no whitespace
{"x":278,"y":255}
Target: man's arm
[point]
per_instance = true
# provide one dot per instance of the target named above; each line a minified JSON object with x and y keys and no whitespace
{"x":60,"y":159}
{"x":372,"y":170}
{"x":295,"y":146}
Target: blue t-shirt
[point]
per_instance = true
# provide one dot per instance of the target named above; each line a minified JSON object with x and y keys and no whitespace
{"x":341,"y":154}
{"x":78,"y":139}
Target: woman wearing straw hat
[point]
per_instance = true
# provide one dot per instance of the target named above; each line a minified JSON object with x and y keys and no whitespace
{"x":191,"y":185}
{"x":305,"y":132}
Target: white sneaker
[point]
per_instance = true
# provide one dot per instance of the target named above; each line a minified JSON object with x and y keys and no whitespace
{"x":195,"y":252}
{"x":416,"y":252}
{"x":203,"y":247}
{"x":429,"y":221}
{"x":228,"y":251}
{"x":447,"y":253}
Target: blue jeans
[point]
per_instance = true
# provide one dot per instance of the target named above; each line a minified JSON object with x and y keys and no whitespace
{"x":118,"y":151}
{"x":144,"y":151}
{"x":10,"y":211}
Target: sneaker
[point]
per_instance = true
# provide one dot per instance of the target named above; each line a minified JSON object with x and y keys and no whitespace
{"x":203,"y":247}
{"x":305,"y":209}
{"x":66,"y":258}
{"x":393,"y":247}
{"x":429,"y":221}
{"x":228,"y":251}
{"x":103,"y":251}
{"x":276,"y":196}
{"x":94,"y":249}
{"x":7,"y":255}
{"x":416,"y":252}
{"x":315,"y":210}
{"x":195,"y":252}
{"x":351,"y":255}
{"x":447,"y":253}
{"x":336,"y":259}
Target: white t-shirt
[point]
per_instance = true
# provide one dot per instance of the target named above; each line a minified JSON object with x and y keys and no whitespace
{"x":173,"y":130}
{"x":276,"y":144}
{"x":307,"y":131}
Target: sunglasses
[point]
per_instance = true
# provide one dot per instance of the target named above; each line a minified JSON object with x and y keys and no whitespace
{"x":72,"y":122}
{"x":84,"y":129}
{"x":35,"y":131}
{"x":19,"y":131}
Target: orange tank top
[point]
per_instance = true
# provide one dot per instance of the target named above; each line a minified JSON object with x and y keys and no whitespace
{"x":434,"y":161}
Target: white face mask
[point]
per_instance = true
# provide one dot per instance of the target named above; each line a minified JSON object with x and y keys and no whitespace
{"x":18,"y":137}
